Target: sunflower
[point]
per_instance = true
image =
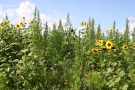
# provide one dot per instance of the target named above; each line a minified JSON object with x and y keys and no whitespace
{"x":5,"y":21}
{"x":1,"y":28}
{"x":109,"y":44}
{"x":125,"y":47}
{"x":32,"y":22}
{"x":97,"y":41}
{"x":84,"y":24}
{"x":17,"y":26}
{"x":5,"y":58}
{"x":21,"y":23}
{"x":95,"y":51}
{"x":113,"y":47}
{"x":65,"y":83}
{"x":71,"y":30}
{"x":101,"y":42}
{"x":110,"y":30}
{"x":100,"y":33}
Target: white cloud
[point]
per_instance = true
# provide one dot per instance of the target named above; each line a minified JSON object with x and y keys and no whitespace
{"x":131,"y":19}
{"x":26,"y":9}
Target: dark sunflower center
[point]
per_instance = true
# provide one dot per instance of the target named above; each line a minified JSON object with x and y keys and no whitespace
{"x":125,"y":46}
{"x":17,"y":25}
{"x":72,"y":30}
{"x":95,"y":50}
{"x":109,"y":44}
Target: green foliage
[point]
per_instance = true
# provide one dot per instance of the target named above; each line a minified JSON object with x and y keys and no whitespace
{"x":40,"y":58}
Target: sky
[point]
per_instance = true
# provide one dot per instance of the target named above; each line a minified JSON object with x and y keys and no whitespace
{"x":104,"y":12}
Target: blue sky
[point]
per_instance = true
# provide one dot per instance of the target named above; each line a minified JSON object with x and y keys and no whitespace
{"x":103,"y":11}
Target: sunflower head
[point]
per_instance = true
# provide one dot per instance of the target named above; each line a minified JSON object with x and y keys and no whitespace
{"x":65,"y":83}
{"x":1,"y":28}
{"x":125,"y":47}
{"x":95,"y":51}
{"x":5,"y":58}
{"x":101,"y":42}
{"x":17,"y":26}
{"x":71,"y":30}
{"x":84,"y":24}
{"x":110,"y":30}
{"x":5,"y":21}
{"x":21,"y":23}
{"x":100,"y":33}
{"x":32,"y":22}
{"x":97,"y":41}
{"x":109,"y":44}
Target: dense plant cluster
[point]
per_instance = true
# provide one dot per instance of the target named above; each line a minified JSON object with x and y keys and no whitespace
{"x":34,"y":57}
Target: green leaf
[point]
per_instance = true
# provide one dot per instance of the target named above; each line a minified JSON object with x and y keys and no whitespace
{"x":117,"y":79}
{"x":122,"y":73}
{"x":125,"y":87}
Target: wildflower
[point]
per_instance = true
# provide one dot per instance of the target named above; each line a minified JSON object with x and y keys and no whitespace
{"x":66,"y":80}
{"x":125,"y":47}
{"x":51,"y":68}
{"x":45,"y":54}
{"x":118,"y":69}
{"x":95,"y":51}
{"x":17,"y":26}
{"x":113,"y":47}
{"x":104,"y":48}
{"x":80,"y":68}
{"x":21,"y":23}
{"x":5,"y":58}
{"x":5,"y":21}
{"x":71,"y":30}
{"x":43,"y":61}
{"x":110,"y":30}
{"x":109,"y":44}
{"x":84,"y":24}
{"x":32,"y":22}
{"x":55,"y":64}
